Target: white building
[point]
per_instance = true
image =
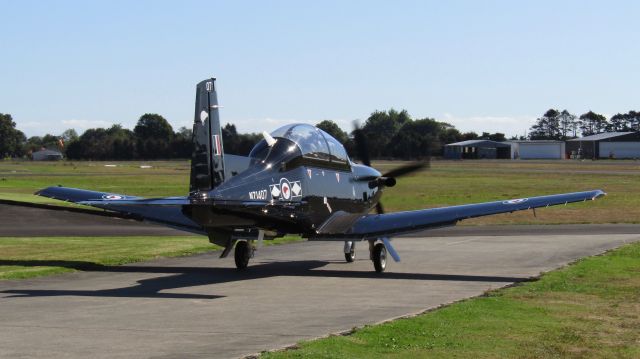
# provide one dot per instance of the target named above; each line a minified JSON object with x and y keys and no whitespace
{"x":538,"y":150}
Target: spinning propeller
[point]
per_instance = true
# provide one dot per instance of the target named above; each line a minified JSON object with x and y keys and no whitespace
{"x":388,"y":179}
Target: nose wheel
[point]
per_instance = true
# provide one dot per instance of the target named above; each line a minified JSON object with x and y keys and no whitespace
{"x":242,"y":254}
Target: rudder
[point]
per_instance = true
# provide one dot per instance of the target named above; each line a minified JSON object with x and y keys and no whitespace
{"x":207,"y":159}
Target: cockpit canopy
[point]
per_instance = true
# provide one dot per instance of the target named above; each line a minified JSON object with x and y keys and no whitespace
{"x":301,"y":144}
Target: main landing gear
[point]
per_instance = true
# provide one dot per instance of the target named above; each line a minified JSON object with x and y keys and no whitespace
{"x":379,"y":257}
{"x":378,"y":250}
{"x":243,"y":253}
{"x":350,"y":251}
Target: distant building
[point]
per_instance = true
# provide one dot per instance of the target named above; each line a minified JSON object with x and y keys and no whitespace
{"x":477,"y":149}
{"x":538,"y":150}
{"x":46,"y":155}
{"x":606,"y":145}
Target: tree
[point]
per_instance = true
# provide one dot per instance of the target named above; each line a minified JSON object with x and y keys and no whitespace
{"x":633,"y":119}
{"x":592,"y":123}
{"x":184,"y":133}
{"x":154,"y":135}
{"x":498,"y":136}
{"x":152,"y":125}
{"x":568,"y":125}
{"x":114,"y":143}
{"x":416,"y":139}
{"x":546,"y":127}
{"x":182,"y":143}
{"x":468,"y":136}
{"x":11,"y":139}
{"x":622,"y":122}
{"x":51,"y":142}
{"x":380,"y":127}
{"x":448,"y":133}
{"x":334,"y":130}
{"x":236,"y":143}
{"x":69,"y":135}
{"x":33,"y":143}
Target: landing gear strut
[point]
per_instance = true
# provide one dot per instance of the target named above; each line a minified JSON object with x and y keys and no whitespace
{"x":349,"y":251}
{"x":242,"y":254}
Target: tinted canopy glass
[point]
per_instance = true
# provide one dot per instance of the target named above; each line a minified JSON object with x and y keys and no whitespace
{"x":309,"y":141}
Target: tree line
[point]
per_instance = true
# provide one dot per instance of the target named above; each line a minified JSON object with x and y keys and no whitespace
{"x":563,"y":125}
{"x":395,"y":134}
{"x":389,"y":134}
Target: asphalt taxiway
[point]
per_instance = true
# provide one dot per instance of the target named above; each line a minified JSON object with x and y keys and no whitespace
{"x":25,"y":221}
{"x":202,"y":307}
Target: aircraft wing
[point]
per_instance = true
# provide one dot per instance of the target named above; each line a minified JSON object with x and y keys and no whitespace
{"x":389,"y":224}
{"x":167,"y":211}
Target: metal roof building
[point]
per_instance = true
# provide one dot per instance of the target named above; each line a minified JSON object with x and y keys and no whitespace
{"x":477,"y":149}
{"x":606,"y":145}
{"x":46,"y":155}
{"x":538,"y":149}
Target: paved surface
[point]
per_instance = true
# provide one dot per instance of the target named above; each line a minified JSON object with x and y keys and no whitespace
{"x":17,"y":221}
{"x":186,"y":308}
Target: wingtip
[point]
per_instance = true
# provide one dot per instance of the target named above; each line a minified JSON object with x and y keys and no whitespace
{"x":599,"y":193}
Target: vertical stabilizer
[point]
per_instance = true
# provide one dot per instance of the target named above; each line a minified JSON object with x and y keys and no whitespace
{"x":207,"y":161}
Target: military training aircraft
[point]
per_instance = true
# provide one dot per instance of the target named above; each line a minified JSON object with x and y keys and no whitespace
{"x":297,"y":180}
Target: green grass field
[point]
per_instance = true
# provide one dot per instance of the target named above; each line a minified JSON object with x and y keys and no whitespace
{"x":588,"y":310}
{"x":446,"y":183}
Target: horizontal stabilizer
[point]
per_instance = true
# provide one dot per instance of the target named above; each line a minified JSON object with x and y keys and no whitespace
{"x":167,"y":211}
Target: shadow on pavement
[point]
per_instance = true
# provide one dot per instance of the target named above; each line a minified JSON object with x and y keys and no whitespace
{"x":185,"y":277}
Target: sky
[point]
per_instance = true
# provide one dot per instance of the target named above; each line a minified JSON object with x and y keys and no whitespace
{"x":490,"y":66}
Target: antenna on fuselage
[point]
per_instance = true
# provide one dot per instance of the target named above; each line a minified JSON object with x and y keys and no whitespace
{"x":267,"y":137}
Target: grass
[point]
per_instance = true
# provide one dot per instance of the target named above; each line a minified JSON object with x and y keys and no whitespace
{"x":452,"y":183}
{"x":22,"y":258}
{"x":446,"y":183}
{"x":590,"y":309}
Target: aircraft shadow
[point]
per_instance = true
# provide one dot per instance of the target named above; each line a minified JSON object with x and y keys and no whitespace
{"x":185,"y":277}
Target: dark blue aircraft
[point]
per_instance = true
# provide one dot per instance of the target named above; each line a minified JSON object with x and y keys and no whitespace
{"x":299,"y":180}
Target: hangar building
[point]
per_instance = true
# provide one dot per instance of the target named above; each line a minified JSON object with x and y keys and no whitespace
{"x":46,"y":155}
{"x":477,"y":149}
{"x":606,"y":145}
{"x":538,"y":149}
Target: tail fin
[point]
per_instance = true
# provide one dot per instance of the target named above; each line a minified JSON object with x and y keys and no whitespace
{"x":207,"y":160}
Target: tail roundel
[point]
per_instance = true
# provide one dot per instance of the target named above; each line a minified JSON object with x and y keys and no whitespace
{"x":207,"y":160}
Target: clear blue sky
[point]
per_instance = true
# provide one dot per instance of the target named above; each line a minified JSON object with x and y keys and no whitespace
{"x":481,"y":65}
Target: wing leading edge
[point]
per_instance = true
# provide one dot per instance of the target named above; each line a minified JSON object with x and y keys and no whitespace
{"x":377,"y":225}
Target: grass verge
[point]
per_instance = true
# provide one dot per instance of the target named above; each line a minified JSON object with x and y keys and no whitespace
{"x":22,"y":258}
{"x":590,"y":309}
{"x":446,"y":183}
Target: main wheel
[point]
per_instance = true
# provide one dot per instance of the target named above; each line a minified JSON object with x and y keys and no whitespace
{"x":379,"y":257}
{"x":242,"y":254}
{"x":351,"y":255}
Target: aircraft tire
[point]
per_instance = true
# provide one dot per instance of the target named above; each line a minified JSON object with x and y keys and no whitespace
{"x":351,"y":256}
{"x":379,"y":257}
{"x":242,"y":254}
